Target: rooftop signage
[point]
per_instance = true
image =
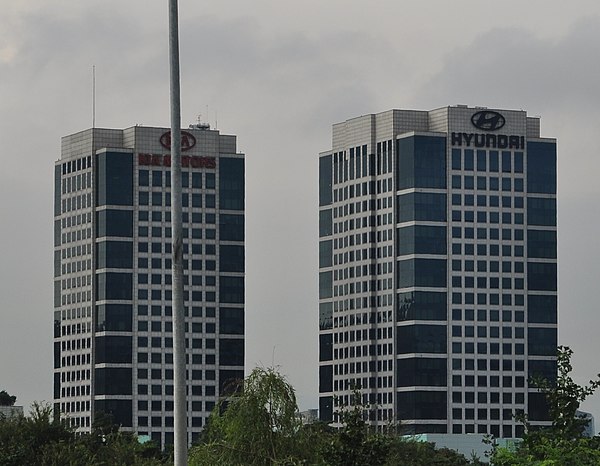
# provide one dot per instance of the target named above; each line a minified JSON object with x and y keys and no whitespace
{"x":187,"y":140}
{"x":488,"y":120}
{"x":157,"y":160}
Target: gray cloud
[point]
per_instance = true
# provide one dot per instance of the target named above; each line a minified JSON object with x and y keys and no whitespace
{"x":558,"y":79}
{"x":278,"y":79}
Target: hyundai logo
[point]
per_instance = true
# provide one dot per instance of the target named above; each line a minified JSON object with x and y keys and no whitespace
{"x":488,"y":120}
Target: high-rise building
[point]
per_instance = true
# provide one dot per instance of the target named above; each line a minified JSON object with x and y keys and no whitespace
{"x":113,"y":340}
{"x":438,"y":268}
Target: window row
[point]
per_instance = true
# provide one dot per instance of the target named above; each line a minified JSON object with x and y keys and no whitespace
{"x":482,"y":160}
{"x":162,"y":179}
{"x":187,"y":200}
{"x":483,"y":282}
{"x":459,"y":347}
{"x":492,"y":299}
{"x":194,"y":233}
{"x":483,"y":200}
{"x":482,"y":331}
{"x":160,"y":216}
{"x":76,"y":165}
{"x":483,"y":183}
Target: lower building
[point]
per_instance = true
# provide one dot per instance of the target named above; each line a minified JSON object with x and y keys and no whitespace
{"x":438,"y":269}
{"x":113,"y":340}
{"x":11,"y":411}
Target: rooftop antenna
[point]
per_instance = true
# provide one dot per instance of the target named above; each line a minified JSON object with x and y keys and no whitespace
{"x":93,"y":96}
{"x":216,"y":121}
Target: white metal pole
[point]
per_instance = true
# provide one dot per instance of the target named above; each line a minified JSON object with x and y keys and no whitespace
{"x":180,"y":412}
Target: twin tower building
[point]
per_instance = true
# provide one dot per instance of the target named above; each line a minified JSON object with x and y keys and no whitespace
{"x":437,"y":272}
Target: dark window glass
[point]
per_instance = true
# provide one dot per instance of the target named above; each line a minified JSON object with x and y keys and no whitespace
{"x":113,"y":285}
{"x":506,"y":162}
{"x":114,"y":254}
{"x":541,"y":341}
{"x":113,"y":317}
{"x":144,"y":178}
{"x":231,"y":352}
{"x":541,"y":167}
{"x":422,"y":405}
{"x":231,"y":289}
{"x":541,"y":244}
{"x":231,"y":321}
{"x":113,"y":381}
{"x":542,"y":309}
{"x":494,"y":167}
{"x":231,"y":258}
{"x":325,"y":253}
{"x":421,"y":372}
{"x":422,"y":272}
{"x":231,"y":184}
{"x":231,"y":227}
{"x":518,"y":162}
{"x":421,"y":305}
{"x":113,"y":349}
{"x":325,"y":223}
{"x":325,"y":379}
{"x":325,"y":285}
{"x":541,"y":211}
{"x":421,"y":162}
{"x":114,"y":223}
{"x":421,"y":339}
{"x":481,"y":160}
{"x":422,"y":206}
{"x":468,"y":159}
{"x":420,"y":239}
{"x":541,"y":276}
{"x":542,"y":370}
{"x":120,"y":410}
{"x":156,"y":178}
{"x":456,"y":162}
{"x":114,"y":179}
{"x":325,"y":180}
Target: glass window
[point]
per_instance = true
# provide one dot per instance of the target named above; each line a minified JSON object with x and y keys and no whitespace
{"x":494,"y":167}
{"x":232,"y":183}
{"x":468,"y":159}
{"x":456,"y":165}
{"x":481,"y":160}
{"x":506,"y":162}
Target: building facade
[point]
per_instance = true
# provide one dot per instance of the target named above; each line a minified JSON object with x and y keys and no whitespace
{"x":113,"y":340}
{"x":438,"y":269}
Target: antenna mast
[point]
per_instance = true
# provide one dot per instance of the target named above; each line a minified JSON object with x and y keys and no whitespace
{"x":93,"y":96}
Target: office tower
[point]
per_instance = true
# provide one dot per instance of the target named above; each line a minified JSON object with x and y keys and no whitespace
{"x":438,"y":268}
{"x":113,"y":341}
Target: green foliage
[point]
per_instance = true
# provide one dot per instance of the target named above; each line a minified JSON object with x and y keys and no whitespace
{"x":39,"y":439}
{"x":261,"y":426}
{"x":6,"y":399}
{"x":562,"y":443}
{"x":258,"y":426}
{"x":355,"y":443}
{"x":358,"y":444}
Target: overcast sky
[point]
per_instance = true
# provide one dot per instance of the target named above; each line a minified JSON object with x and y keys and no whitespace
{"x":278,"y":74}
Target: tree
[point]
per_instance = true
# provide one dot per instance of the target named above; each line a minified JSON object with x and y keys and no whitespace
{"x":356,"y":443}
{"x":6,"y":399}
{"x":261,"y":426}
{"x":563,"y":441}
{"x":41,"y":439}
{"x":257,"y":426}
